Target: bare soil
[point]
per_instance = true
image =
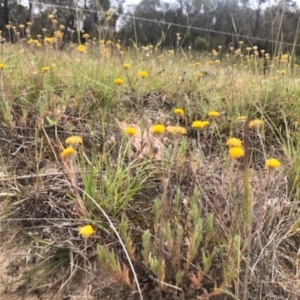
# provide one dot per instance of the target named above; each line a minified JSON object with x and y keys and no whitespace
{"x":15,"y":263}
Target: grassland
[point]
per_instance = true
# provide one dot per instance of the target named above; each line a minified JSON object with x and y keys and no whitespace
{"x":169,"y":212}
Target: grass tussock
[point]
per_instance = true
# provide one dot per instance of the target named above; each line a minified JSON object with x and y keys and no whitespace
{"x":126,"y":159}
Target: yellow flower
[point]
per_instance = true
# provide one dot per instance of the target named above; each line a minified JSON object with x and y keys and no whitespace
{"x":200,"y":124}
{"x":31,"y":41}
{"x":130,"y":131}
{"x":51,"y":16}
{"x":81,"y":48}
{"x":282,"y":72}
{"x":126,"y":66}
{"x":45,"y":69}
{"x":86,"y":231}
{"x":176,"y":130}
{"x":48,"y":40}
{"x":143,"y":74}
{"x":272,"y":163}
{"x":119,"y":81}
{"x":242,"y":118}
{"x":213,"y":114}
{"x":200,"y":74}
{"x":255,"y":123}
{"x":86,"y":36}
{"x":236,"y":152}
{"x":2,"y":66}
{"x":158,"y":129}
{"x":178,"y":112}
{"x":68,"y":152}
{"x":234,"y":142}
{"x":74,"y":140}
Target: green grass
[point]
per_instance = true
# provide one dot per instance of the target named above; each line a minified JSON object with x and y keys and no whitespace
{"x":173,"y":215}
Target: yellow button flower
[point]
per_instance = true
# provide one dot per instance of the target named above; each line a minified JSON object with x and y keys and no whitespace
{"x":176,"y":130}
{"x":158,"y":129}
{"x":234,"y":142}
{"x":68,"y":152}
{"x":81,"y":48}
{"x":241,"y":118}
{"x":45,"y":69}
{"x":236,"y":152}
{"x":199,"y":124}
{"x":86,"y":231}
{"x":119,"y":81}
{"x":130,"y":131}
{"x":178,"y":112}
{"x":143,"y":74}
{"x":126,"y":66}
{"x":255,"y":123}
{"x":272,"y":163}
{"x":213,"y":114}
{"x":74,"y":140}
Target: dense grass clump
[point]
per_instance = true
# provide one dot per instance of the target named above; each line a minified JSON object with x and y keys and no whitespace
{"x":176,"y":172}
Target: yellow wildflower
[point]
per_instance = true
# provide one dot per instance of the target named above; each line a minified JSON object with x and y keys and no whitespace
{"x":158,"y":129}
{"x":81,"y":48}
{"x":126,"y":66}
{"x":45,"y":69}
{"x":31,"y":41}
{"x":119,"y":81}
{"x":143,"y":74}
{"x":68,"y":152}
{"x":176,"y":130}
{"x":282,"y":72}
{"x":86,"y":231}
{"x":51,"y":16}
{"x":242,"y":118}
{"x":213,"y":114}
{"x":255,"y":123}
{"x":86,"y":36}
{"x":236,"y":152}
{"x":272,"y":163}
{"x":48,"y":40}
{"x":130,"y":131}
{"x":74,"y":140}
{"x":199,"y":124}
{"x":178,"y":112}
{"x":2,"y":66}
{"x":234,"y":142}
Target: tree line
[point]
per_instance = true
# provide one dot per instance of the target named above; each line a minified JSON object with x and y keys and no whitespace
{"x":196,"y":24}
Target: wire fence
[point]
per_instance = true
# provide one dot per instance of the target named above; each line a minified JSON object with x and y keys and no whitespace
{"x":132,"y":16}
